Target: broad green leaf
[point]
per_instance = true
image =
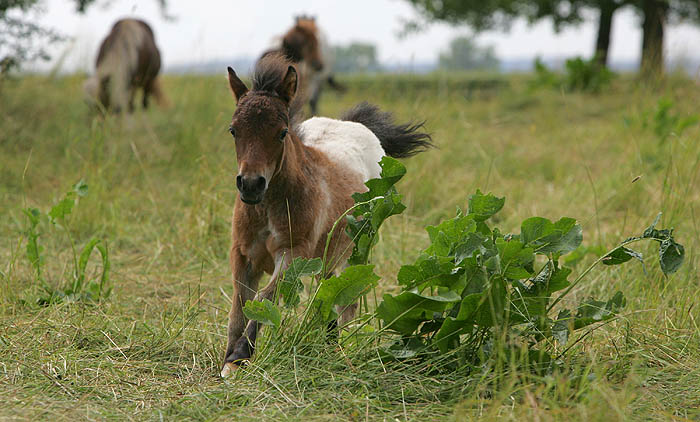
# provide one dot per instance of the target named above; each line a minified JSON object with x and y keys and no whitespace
{"x":344,"y":289}
{"x":565,"y":237}
{"x":671,"y":253}
{"x":290,"y":283}
{"x":592,"y":311}
{"x":446,"y":235}
{"x":264,"y":312}
{"x":430,"y":271}
{"x":516,"y":260}
{"x":529,"y":304}
{"x":373,"y":207}
{"x":406,"y":311}
{"x":559,"y":280}
{"x":670,"y":256}
{"x":392,"y":172}
{"x":63,"y":208}
{"x":484,"y":309}
{"x":447,"y":337}
{"x":482,"y":207}
{"x":475,"y":242}
{"x":535,"y":230}
{"x":383,"y":209}
{"x":621,"y":255}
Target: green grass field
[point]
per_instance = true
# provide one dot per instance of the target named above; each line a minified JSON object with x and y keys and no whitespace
{"x":161,"y":192}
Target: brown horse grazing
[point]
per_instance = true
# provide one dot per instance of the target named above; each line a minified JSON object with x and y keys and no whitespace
{"x":304,"y":46}
{"x":128,"y":59}
{"x":294,"y":182}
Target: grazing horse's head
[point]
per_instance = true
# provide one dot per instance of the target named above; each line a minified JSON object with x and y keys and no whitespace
{"x":301,"y":43}
{"x":260,"y":124}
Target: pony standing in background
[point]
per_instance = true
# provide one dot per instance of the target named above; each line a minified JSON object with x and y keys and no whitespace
{"x":128,"y":59}
{"x":294,"y":182}
{"x":306,"y":47}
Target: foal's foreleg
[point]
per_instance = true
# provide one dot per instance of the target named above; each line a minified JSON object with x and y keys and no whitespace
{"x":245,"y":285}
{"x":245,"y":346}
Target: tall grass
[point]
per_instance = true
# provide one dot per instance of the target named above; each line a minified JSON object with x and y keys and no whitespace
{"x":161,"y":195}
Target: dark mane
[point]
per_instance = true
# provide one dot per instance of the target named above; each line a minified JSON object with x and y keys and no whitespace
{"x":267,"y":77}
{"x":269,"y":72}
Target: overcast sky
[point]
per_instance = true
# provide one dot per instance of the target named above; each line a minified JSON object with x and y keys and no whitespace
{"x":218,"y":29}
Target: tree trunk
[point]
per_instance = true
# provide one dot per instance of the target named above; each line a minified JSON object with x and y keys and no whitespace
{"x":653,"y":36}
{"x":602,"y":44}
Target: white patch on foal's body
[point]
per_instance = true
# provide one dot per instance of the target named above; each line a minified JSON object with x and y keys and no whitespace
{"x":349,"y":144}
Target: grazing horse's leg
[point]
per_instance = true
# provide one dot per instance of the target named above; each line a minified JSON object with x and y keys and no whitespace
{"x":245,"y":285}
{"x":146,"y":93}
{"x":245,"y":346}
{"x":132,"y":94}
{"x":317,"y":87}
{"x":148,"y":89}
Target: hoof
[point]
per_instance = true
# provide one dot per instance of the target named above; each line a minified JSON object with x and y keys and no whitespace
{"x":228,"y":369}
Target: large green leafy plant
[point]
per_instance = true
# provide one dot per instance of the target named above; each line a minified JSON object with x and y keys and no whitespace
{"x":473,"y":287}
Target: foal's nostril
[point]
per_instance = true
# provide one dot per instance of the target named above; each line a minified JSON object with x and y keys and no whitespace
{"x":260,"y":184}
{"x":239,"y":182}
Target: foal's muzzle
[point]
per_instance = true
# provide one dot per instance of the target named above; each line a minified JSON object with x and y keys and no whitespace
{"x":252,"y":188}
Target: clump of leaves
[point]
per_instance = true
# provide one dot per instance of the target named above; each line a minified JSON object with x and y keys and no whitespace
{"x":586,"y":75}
{"x":78,"y":286}
{"x":579,"y":75}
{"x":475,"y":285}
{"x":664,"y":121}
{"x":472,"y":288}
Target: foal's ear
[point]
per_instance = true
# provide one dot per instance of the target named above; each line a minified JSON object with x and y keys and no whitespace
{"x":288,"y":87}
{"x":237,"y":86}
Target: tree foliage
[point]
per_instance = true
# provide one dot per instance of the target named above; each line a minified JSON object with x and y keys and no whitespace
{"x":464,"y":54}
{"x":654,"y":15}
{"x":356,"y":57}
{"x":22,"y":40}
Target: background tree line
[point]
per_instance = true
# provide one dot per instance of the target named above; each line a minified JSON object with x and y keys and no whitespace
{"x":654,"y":16}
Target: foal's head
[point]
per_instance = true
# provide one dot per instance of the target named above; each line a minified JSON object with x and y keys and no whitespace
{"x":301,"y":43}
{"x":260,"y":124}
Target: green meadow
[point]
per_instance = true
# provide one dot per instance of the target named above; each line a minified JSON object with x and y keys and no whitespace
{"x":159,"y":200}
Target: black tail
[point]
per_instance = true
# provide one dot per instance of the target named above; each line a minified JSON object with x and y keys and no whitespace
{"x":398,"y":141}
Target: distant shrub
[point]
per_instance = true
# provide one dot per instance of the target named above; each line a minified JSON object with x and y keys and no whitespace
{"x":579,"y":75}
{"x":665,"y":122}
{"x":586,"y":75}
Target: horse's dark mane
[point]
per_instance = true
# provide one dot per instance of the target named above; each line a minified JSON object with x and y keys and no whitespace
{"x":269,"y":72}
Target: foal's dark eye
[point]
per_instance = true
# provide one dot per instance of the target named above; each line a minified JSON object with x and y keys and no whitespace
{"x":232,"y":131}
{"x":283,"y":134}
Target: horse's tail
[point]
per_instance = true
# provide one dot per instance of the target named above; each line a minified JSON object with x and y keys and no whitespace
{"x":398,"y":140}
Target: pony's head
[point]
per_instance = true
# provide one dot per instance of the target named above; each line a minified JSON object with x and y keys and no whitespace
{"x":301,"y":42}
{"x":260,"y":124}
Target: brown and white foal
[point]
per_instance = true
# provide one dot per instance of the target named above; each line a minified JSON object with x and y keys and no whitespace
{"x":294,"y":182}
